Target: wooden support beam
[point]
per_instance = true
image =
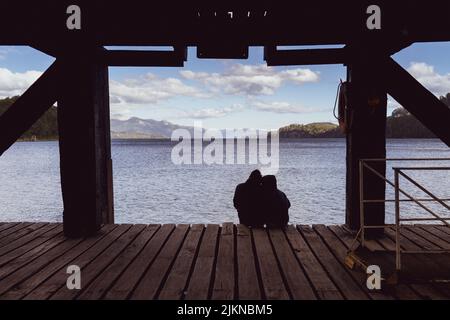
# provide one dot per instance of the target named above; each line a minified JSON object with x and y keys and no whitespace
{"x":85,"y":144}
{"x":141,"y":58}
{"x":366,"y":139}
{"x":253,"y":23}
{"x":46,"y":49}
{"x":30,"y":106}
{"x":276,"y":57}
{"x":420,"y":102}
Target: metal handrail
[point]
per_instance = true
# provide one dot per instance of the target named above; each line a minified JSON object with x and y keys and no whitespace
{"x":398,"y":171}
{"x":422,"y":188}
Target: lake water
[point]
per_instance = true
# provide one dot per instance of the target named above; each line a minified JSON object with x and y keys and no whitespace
{"x":149,"y":188}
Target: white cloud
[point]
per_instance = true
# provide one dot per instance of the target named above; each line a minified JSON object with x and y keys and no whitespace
{"x":251,"y":80}
{"x":16,"y":83}
{"x":437,"y":83}
{"x":207,"y":113}
{"x":282,"y":107}
{"x":5,"y":51}
{"x":150,"y":89}
{"x":258,"y":105}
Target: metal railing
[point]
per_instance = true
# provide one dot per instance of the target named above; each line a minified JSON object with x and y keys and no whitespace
{"x":400,"y":172}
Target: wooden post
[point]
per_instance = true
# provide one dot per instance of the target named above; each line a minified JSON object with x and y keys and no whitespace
{"x":366,"y":139}
{"x":85,"y":144}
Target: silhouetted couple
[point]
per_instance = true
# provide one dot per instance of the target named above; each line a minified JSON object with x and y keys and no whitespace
{"x":259,"y":202}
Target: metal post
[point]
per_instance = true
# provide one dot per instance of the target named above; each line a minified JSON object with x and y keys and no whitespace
{"x":398,"y":264}
{"x":361,"y":201}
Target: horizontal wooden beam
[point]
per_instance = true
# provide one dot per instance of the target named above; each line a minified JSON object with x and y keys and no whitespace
{"x":30,"y":106}
{"x":45,"y":48}
{"x":276,"y":57}
{"x":140,"y":58}
{"x":420,"y":102}
{"x":250,"y":23}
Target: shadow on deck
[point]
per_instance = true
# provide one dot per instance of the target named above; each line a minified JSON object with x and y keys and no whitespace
{"x":198,"y":262}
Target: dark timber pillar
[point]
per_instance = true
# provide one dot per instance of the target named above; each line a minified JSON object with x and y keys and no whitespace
{"x":367,"y":103}
{"x":85,"y":144}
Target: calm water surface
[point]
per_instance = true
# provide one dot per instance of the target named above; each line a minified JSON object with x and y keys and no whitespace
{"x":148,"y":188}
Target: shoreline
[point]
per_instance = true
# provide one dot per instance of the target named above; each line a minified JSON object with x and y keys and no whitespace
{"x":168,"y":139}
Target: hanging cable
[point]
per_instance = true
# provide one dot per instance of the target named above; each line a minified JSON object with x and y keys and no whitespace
{"x":337,"y":98}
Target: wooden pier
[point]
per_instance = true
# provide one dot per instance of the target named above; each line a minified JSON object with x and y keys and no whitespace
{"x":202,"y":262}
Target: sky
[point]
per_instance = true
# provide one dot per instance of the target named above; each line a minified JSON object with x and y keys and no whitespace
{"x":228,"y":93}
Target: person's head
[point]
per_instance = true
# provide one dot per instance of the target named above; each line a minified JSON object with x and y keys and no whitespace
{"x":255,"y":176}
{"x":269,"y":183}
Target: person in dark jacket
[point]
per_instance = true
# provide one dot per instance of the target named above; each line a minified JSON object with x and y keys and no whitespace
{"x":247,"y":200}
{"x":275,"y":203}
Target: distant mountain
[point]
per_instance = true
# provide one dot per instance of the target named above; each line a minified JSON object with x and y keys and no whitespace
{"x":134,"y":135}
{"x":136,"y":128}
{"x":401,"y":124}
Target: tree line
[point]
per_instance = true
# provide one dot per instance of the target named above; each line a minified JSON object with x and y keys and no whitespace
{"x":400,"y":124}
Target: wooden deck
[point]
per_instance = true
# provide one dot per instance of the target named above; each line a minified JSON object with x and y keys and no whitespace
{"x":198,"y":262}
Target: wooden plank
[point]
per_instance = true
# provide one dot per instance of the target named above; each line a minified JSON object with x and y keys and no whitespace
{"x":405,"y":292}
{"x":5,"y":226}
{"x":11,"y":230}
{"x":177,"y":280}
{"x":248,"y":284}
{"x":320,"y":280}
{"x":296,"y":280}
{"x":224,"y":282}
{"x":405,"y":243}
{"x":19,"y":231}
{"x":426,"y":291}
{"x":444,"y":229}
{"x":153,"y":279}
{"x":443,"y":260}
{"x":14,"y":260}
{"x":443,"y":287}
{"x":347,"y":239}
{"x":418,"y":240}
{"x":48,"y":264}
{"x":51,"y":285}
{"x":274,"y":288}
{"x":340,"y":251}
{"x":339,"y":274}
{"x":99,"y":286}
{"x":131,"y":276}
{"x":199,"y":284}
{"x":99,"y":263}
{"x":16,"y":275}
{"x":401,"y":291}
{"x":27,"y":238}
{"x":436,"y":232}
{"x":429,"y":292}
{"x":429,"y":237}
{"x":437,"y":262}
